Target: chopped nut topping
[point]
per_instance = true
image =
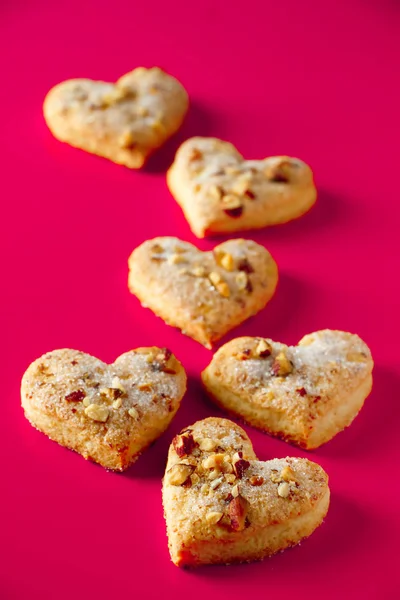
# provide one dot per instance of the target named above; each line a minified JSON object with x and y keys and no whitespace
{"x":117,"y":403}
{"x":274,"y":476}
{"x":220,"y":285}
{"x":282,"y":365}
{"x":86,"y":401}
{"x":117,"y":385}
{"x":214,"y":484}
{"x":224,"y":260}
{"x":97,"y":413}
{"x":235,"y":491}
{"x":157,"y":249}
{"x":195,"y":154}
{"x":216,"y":192}
{"x":199,"y":272}
{"x":204,"y":489}
{"x":77,"y":396}
{"x":207,"y":444}
{"x":213,"y":474}
{"x":283,"y":489}
{"x":287,"y":474}
{"x":237,"y":513}
{"x":243,"y":282}
{"x":239,"y":464}
{"x":127,"y":140}
{"x":179,"y":250}
{"x":146,"y":386}
{"x":256,"y":480}
{"x":133,"y":413}
{"x":176,"y":259}
{"x":280,"y":172}
{"x":179,"y":474}
{"x":184,"y":443}
{"x":263,"y":349}
{"x":356,"y":356}
{"x":162,"y":362}
{"x":230,"y":477}
{"x":232,"y":205}
{"x":214,"y":517}
{"x":194,"y":478}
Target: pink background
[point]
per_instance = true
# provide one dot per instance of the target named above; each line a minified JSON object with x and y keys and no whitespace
{"x":311,"y":79}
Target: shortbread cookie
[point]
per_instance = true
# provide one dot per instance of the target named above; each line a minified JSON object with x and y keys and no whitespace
{"x":304,"y":394}
{"x":205,"y":294}
{"x":219,"y":191}
{"x":123,"y":121}
{"x":107,"y":413}
{"x":223,"y":505}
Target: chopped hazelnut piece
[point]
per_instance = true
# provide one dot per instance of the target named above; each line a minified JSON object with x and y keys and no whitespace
{"x":117,"y":403}
{"x":97,"y":413}
{"x":157,"y":249}
{"x":163,"y":361}
{"x":146,"y":386}
{"x":207,"y":444}
{"x":356,"y":357}
{"x":77,"y":396}
{"x":133,"y":413}
{"x":179,"y":474}
{"x":263,"y":349}
{"x":237,"y":513}
{"x":216,"y":482}
{"x":243,"y":281}
{"x":230,"y":477}
{"x":232,"y":205}
{"x":274,"y":476}
{"x":199,"y":272}
{"x":214,"y":517}
{"x":86,"y":401}
{"x":204,"y":489}
{"x":239,"y":464}
{"x":280,"y":172}
{"x":127,"y":140}
{"x":215,"y":277}
{"x":117,"y":385}
{"x":235,"y":491}
{"x":287,"y":474}
{"x":224,"y":260}
{"x":176,"y":259}
{"x":184,"y":444}
{"x":216,"y":192}
{"x":194,"y":478}
{"x":282,"y":365}
{"x":220,"y":285}
{"x":195,"y":154}
{"x":283,"y":489}
{"x":256,"y":480}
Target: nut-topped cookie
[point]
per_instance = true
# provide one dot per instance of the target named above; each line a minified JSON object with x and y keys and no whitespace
{"x":107,"y":413}
{"x":219,"y":191}
{"x":123,"y":121}
{"x":305,"y":394}
{"x":223,"y":505}
{"x":205,"y":294}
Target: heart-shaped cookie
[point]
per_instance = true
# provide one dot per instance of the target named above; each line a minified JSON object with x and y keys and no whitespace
{"x":107,"y":413}
{"x":219,"y":191}
{"x":123,"y":122}
{"x":205,"y":294}
{"x":304,"y":394}
{"x":223,"y":505}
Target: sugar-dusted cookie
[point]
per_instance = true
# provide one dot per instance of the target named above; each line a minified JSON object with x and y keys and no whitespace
{"x":219,"y":191}
{"x":107,"y":413}
{"x":223,"y":505}
{"x":123,"y":121}
{"x":304,"y":394}
{"x":205,"y":294}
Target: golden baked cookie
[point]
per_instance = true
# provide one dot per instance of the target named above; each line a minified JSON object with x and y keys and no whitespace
{"x":123,"y":121}
{"x":205,"y":294}
{"x":304,"y":394}
{"x":107,"y":413}
{"x":223,"y":505}
{"x":219,"y":191}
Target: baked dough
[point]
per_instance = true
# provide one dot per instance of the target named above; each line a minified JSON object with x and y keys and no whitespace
{"x":205,"y":294}
{"x":124,"y":122}
{"x":304,"y":394}
{"x":220,"y":192}
{"x":107,"y":413}
{"x":223,"y":505}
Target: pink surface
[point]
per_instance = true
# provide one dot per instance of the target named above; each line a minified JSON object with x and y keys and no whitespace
{"x":314,"y":80}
